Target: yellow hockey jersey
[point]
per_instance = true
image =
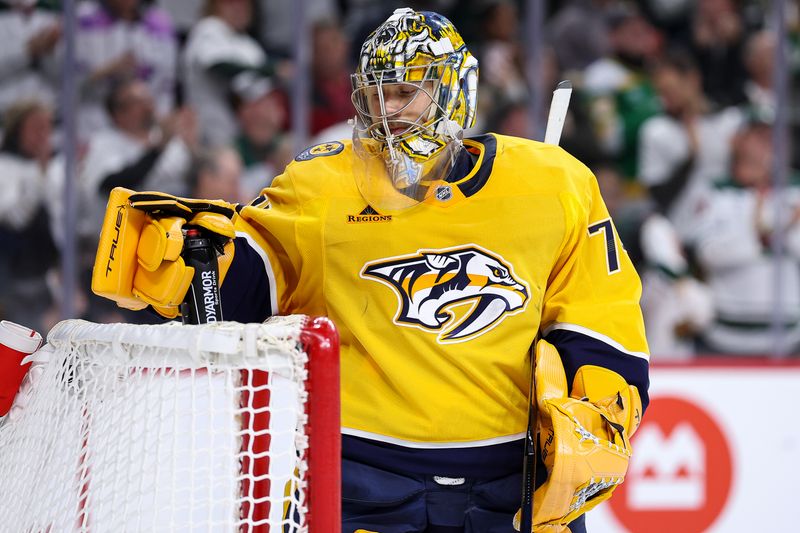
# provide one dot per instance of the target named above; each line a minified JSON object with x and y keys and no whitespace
{"x":438,"y":305}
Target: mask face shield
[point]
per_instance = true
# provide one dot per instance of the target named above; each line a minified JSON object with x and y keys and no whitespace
{"x":394,"y":181}
{"x":404,"y":142}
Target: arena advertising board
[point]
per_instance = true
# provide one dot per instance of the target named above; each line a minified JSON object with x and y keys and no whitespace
{"x":718,"y":451}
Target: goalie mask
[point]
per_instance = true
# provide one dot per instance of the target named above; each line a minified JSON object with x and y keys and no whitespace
{"x":414,"y":92}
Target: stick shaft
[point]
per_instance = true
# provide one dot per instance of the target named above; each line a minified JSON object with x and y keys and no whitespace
{"x":558,"y":112}
{"x":552,"y":135}
{"x":529,"y":459}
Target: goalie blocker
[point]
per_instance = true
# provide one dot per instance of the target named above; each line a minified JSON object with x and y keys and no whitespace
{"x":139,"y":258}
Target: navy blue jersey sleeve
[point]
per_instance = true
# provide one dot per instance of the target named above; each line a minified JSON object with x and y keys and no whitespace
{"x":246,"y":292}
{"x":577,"y":350}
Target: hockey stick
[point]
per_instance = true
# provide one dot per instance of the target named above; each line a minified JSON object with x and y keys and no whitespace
{"x":552,"y":135}
{"x":558,"y":112}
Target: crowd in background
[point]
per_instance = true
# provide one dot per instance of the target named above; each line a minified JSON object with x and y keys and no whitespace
{"x":673,"y":110}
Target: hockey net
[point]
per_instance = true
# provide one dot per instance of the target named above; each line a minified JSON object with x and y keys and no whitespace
{"x":219,"y":427}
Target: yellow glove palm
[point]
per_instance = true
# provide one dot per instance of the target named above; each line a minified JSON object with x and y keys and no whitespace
{"x":584,"y":438}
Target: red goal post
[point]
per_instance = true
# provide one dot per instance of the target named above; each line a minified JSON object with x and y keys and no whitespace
{"x":217,"y":427}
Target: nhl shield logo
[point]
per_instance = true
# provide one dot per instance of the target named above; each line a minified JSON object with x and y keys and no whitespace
{"x":444,"y":193}
{"x":460,"y":293}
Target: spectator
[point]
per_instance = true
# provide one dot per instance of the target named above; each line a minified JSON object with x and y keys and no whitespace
{"x":219,"y":55}
{"x":330,"y":65}
{"x":276,"y":22}
{"x":759,"y":61}
{"x":506,"y":103}
{"x":578,"y":33}
{"x":28,"y":68}
{"x":633,"y":42}
{"x":119,"y":39}
{"x":718,"y":37}
{"x":262,"y":143}
{"x":136,"y":152}
{"x":29,"y":252}
{"x":184,"y":14}
{"x":734,"y":248}
{"x":671,"y":17}
{"x":676,"y":306}
{"x":216,"y":175}
{"x":684,"y":149}
{"x":500,"y":55}
{"x":513,"y":118}
{"x":621,"y":95}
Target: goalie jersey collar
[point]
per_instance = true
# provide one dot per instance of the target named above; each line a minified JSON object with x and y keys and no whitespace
{"x":474,"y":164}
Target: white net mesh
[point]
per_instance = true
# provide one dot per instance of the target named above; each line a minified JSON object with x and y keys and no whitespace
{"x":159,"y":428}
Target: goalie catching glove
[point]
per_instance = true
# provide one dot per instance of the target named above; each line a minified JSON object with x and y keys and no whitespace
{"x":584,"y":438}
{"x":139,"y":261}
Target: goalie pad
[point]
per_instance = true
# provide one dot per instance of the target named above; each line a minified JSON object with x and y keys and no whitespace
{"x":138,"y":261}
{"x":584,"y":439}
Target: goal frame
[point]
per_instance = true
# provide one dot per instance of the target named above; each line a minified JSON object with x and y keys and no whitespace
{"x":303,"y":350}
{"x":321,"y":341}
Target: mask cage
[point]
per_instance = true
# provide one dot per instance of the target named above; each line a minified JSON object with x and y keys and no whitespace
{"x":428,"y":82}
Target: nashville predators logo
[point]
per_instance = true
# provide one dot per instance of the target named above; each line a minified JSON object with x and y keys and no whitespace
{"x":459,"y":292}
{"x":320,"y":150}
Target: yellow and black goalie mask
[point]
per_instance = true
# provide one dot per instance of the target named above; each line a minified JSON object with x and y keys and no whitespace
{"x":414,"y":92}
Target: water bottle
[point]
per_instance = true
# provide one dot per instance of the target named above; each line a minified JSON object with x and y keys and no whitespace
{"x":202,"y":303}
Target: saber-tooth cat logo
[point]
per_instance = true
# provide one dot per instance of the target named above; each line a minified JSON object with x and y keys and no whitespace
{"x":460,"y":292}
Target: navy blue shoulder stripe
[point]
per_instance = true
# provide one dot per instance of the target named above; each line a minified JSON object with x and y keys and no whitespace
{"x":476,"y":182}
{"x":577,"y":349}
{"x":245,"y":293}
